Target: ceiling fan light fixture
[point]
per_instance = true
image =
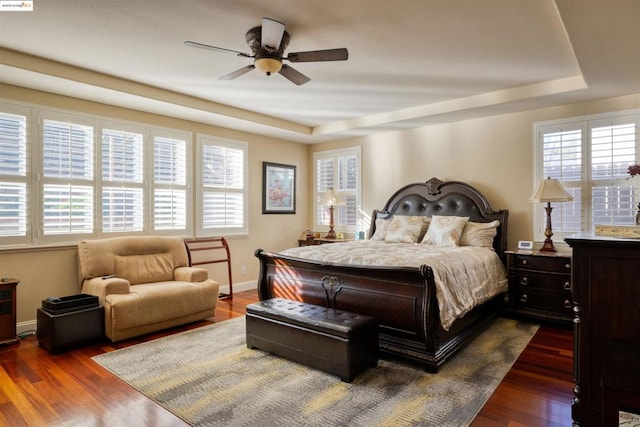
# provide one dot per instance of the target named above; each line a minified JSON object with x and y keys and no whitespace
{"x":268,"y":65}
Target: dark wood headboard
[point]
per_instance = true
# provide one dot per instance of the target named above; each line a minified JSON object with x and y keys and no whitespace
{"x":436,"y":197}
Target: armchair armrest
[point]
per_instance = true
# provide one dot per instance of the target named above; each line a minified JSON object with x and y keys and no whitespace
{"x":190,"y":274}
{"x":103,"y":287}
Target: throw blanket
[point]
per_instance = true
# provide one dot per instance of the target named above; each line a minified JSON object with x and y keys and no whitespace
{"x":465,"y":276}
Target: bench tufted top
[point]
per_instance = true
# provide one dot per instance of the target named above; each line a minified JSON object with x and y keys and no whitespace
{"x":328,"y":320}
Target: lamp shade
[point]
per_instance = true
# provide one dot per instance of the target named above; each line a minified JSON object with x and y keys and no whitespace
{"x":331,"y":198}
{"x":550,"y":190}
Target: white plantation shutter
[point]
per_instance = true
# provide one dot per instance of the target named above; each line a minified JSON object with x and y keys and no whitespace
{"x":563,"y":160}
{"x":13,"y":177}
{"x":67,"y":174}
{"x":590,"y":156}
{"x":613,"y":150}
{"x":338,"y":170}
{"x":170,"y":184}
{"x":223,"y":187}
{"x":122,"y":181}
{"x":68,"y":209}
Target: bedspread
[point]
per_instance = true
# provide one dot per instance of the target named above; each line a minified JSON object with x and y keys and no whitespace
{"x":464,"y":276}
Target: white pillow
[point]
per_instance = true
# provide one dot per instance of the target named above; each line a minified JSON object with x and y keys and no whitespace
{"x":445,"y":230}
{"x":405,"y":229}
{"x":479,"y":234}
{"x":382,"y":226}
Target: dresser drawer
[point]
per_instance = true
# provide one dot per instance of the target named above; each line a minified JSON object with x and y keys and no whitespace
{"x":552,"y":282}
{"x":541,"y":263}
{"x":557,"y":303}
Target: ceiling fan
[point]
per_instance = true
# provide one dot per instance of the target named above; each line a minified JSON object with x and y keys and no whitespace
{"x":268,"y":43}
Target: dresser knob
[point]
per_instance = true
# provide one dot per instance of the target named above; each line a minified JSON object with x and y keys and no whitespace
{"x":524,"y":262}
{"x":524,"y":281}
{"x":567,"y":266}
{"x":523,"y":298}
{"x":567,"y":303}
{"x":567,"y":286}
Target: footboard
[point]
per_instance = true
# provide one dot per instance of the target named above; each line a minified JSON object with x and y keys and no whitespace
{"x":402,"y":299}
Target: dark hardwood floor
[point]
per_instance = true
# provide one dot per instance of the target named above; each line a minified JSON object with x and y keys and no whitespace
{"x":40,"y":389}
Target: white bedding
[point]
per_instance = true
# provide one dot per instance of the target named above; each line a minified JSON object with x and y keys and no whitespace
{"x":465,"y":276}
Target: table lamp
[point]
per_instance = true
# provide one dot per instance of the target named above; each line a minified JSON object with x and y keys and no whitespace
{"x":550,"y":190}
{"x":331,"y":199}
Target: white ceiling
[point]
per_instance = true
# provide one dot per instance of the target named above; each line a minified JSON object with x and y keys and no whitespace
{"x":411,"y":62}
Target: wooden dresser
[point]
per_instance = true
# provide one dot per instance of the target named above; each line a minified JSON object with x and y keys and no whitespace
{"x":606,"y":293}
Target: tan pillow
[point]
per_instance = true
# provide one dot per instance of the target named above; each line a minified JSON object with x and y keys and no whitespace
{"x":445,"y":230}
{"x":405,"y":229}
{"x":382,"y":226}
{"x":479,"y":234}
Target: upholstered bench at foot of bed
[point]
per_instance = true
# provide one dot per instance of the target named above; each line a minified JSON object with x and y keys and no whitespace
{"x":341,"y":343}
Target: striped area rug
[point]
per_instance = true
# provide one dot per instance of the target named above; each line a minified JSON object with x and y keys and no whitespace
{"x":208,"y":377}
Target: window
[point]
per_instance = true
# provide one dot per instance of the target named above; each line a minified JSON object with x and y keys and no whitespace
{"x":222,"y":187}
{"x":338,"y":170}
{"x":590,"y":156}
{"x":170,"y":198}
{"x":14,"y":176}
{"x":66,"y":177}
{"x":67,"y":162}
{"x":122,"y":181}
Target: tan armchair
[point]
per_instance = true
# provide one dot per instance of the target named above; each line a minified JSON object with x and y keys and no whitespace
{"x":145,"y":284}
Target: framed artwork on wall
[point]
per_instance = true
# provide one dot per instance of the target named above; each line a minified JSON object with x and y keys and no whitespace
{"x":278,"y":188}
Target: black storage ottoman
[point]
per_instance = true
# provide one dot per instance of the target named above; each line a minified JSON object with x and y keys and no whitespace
{"x":341,"y":343}
{"x":68,"y":322}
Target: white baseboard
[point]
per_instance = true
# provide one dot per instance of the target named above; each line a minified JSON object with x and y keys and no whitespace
{"x":28,"y":326}
{"x":31,"y":325}
{"x":239,"y":287}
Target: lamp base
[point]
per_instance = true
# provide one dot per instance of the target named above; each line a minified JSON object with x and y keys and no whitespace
{"x":548,"y":243}
{"x":331,"y":234}
{"x":548,"y":246}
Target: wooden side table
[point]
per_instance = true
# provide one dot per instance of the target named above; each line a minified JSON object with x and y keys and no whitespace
{"x":8,"y":311}
{"x":540,"y":285}
{"x":319,"y":241}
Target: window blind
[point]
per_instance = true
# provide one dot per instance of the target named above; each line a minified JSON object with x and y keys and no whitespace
{"x":13,"y":173}
{"x":591,"y":157}
{"x":223,"y":181}
{"x":170,"y":183}
{"x":67,"y":165}
{"x":122,"y":177}
{"x":338,"y":170}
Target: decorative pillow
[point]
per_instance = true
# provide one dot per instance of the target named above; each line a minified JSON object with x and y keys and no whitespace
{"x":479,"y":234}
{"x":445,"y":230}
{"x":405,"y":229}
{"x":382,"y":226}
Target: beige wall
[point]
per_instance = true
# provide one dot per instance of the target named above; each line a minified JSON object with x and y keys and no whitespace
{"x":53,"y":272}
{"x":494,"y":154}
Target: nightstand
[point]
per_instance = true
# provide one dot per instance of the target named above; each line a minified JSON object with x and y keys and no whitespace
{"x":318,"y":241}
{"x":540,"y":285}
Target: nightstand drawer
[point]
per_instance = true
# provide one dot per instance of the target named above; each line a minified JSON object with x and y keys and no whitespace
{"x":542,"y":281}
{"x":557,"y":303}
{"x":542,"y":263}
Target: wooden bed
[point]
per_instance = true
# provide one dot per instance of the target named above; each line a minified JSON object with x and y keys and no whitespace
{"x":403,"y":299}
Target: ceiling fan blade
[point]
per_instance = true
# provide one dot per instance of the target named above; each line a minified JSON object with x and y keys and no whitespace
{"x":238,"y":73}
{"x":272,"y":32}
{"x":216,"y":49}
{"x":341,"y":54}
{"x":295,"y":76}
